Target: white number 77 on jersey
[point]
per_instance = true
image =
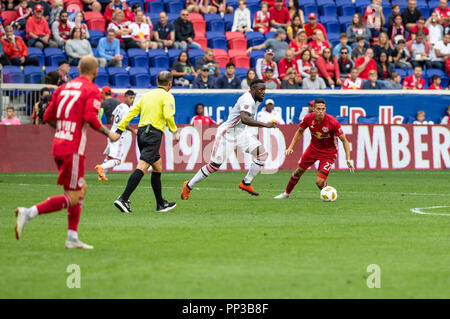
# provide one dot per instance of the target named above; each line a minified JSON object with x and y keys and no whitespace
{"x":66,"y":94}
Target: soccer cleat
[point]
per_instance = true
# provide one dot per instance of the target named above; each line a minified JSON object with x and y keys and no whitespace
{"x":21,"y":221}
{"x":248,"y":188}
{"x":101,"y":175}
{"x":70,"y":244}
{"x":122,"y":205}
{"x":282,"y":196}
{"x":165,"y":207}
{"x":186,"y":191}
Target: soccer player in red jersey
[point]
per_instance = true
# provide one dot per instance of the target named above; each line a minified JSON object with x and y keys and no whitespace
{"x":73,"y":106}
{"x":325,"y":130}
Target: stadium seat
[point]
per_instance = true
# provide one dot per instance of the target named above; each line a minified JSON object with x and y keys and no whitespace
{"x":155,"y":6}
{"x":116,"y":70}
{"x":199,"y":27}
{"x":138,"y":70}
{"x":171,"y":17}
{"x":138,"y":57}
{"x":241,"y":73}
{"x":33,"y":74}
{"x":233,"y":35}
{"x":54,"y":55}
{"x":50,"y":68}
{"x":74,"y":7}
{"x":347,"y":10}
{"x":211,"y":17}
{"x":310,"y":8}
{"x":140,"y":81}
{"x":173,"y":55}
{"x":237,"y":52}
{"x":73,"y":72}
{"x":8,"y":17}
{"x":154,"y":16}
{"x":367,"y":120}
{"x":154,"y":73}
{"x":120,"y":80}
{"x":238,"y":44}
{"x":433,"y":4}
{"x":340,"y":3}
{"x":102,"y":78}
{"x":95,"y":36}
{"x":195,"y":54}
{"x":441,"y":74}
{"x":202,"y":40}
{"x":332,"y":27}
{"x":254,"y":56}
{"x":195,"y":17}
{"x":361,"y":5}
{"x":328,"y":9}
{"x":21,"y":34}
{"x":174,"y":7}
{"x":222,"y":60}
{"x":125,"y":58}
{"x":96,"y":24}
{"x":37,"y":53}
{"x":13,"y":74}
{"x":216,"y":41}
{"x":228,"y":18}
{"x":270,"y":35}
{"x":241,"y":61}
{"x":253,"y":7}
{"x":215,"y":26}
{"x":158,"y":58}
{"x":402,"y":4}
{"x":89,"y":15}
{"x":140,"y":2}
{"x":254,"y":38}
{"x":233,"y":3}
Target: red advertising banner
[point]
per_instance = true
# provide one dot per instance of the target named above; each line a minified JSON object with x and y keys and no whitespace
{"x":28,"y":148}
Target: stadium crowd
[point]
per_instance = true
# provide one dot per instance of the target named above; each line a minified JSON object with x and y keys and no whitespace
{"x":290,"y":44}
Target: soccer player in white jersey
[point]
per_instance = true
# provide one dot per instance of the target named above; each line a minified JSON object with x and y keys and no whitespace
{"x":233,"y":133}
{"x":117,"y":151}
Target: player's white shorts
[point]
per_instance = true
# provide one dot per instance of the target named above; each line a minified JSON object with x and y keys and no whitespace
{"x":227,"y":139}
{"x":119,"y":148}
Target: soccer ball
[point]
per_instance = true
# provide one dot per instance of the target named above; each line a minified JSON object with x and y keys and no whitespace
{"x":328,"y":194}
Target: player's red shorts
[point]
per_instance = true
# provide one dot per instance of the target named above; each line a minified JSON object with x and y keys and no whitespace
{"x":71,"y":171}
{"x":310,"y":156}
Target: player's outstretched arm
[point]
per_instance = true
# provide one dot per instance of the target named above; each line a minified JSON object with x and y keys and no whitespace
{"x":294,"y":141}
{"x":247,"y":120}
{"x":347,"y":153}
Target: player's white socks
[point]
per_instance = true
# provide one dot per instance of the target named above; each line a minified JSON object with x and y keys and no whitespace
{"x":72,"y":235}
{"x":256,"y":167}
{"x":33,"y":212}
{"x":110,"y":163}
{"x":203,"y":173}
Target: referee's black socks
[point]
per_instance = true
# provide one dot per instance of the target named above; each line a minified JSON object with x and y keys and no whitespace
{"x":156,"y":185}
{"x":133,"y":182}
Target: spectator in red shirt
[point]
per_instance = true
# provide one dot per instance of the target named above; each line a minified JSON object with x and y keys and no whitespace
{"x":271,"y":3}
{"x":200,"y":118}
{"x":319,"y":43}
{"x":38,"y":32}
{"x":365,"y":64}
{"x":329,"y":69}
{"x":16,"y":50}
{"x":61,"y":29}
{"x":287,"y":62}
{"x":113,"y":6}
{"x":414,"y":82}
{"x":419,"y":26}
{"x":353,"y":82}
{"x":435,"y":83}
{"x":443,"y":12}
{"x":279,"y":16}
{"x":261,"y":20}
{"x":299,"y":44}
{"x":314,"y":25}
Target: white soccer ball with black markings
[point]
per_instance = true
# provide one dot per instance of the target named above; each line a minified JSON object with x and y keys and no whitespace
{"x":328,"y":194}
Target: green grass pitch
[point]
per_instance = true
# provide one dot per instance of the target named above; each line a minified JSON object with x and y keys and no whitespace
{"x":223,"y":243}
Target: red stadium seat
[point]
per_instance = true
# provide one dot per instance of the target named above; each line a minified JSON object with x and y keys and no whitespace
{"x":73,"y":7}
{"x":222,"y":60}
{"x":89,"y":15}
{"x":241,"y":61}
{"x":234,"y":35}
{"x":195,"y":17}
{"x":237,"y":44}
{"x":219,"y":52}
{"x":8,"y":17}
{"x":96,"y":24}
{"x":199,"y":27}
{"x":200,"y":39}
{"x":233,"y":53}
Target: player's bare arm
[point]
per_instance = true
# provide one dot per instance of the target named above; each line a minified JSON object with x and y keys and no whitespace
{"x":247,"y":120}
{"x":347,"y":153}
{"x":132,"y":130}
{"x":294,"y":141}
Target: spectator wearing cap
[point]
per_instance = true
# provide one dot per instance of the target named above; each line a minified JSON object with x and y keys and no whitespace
{"x":61,"y":29}
{"x":184,"y":32}
{"x":314,"y":25}
{"x":37,"y":30}
{"x":15,"y":49}
{"x":345,"y":63}
{"x":372,"y":83}
{"x":358,"y":29}
{"x":269,"y":114}
{"x":286,"y":63}
{"x":420,"y":50}
{"x":261,"y":20}
{"x":272,"y":83}
{"x":415,"y":80}
{"x":443,"y":13}
{"x":117,"y":5}
{"x":203,"y":80}
{"x":267,"y":62}
{"x":229,"y":80}
{"x":299,"y":44}
{"x":242,"y":21}
{"x":108,"y":48}
{"x":314,"y":82}
{"x":411,"y":14}
{"x":279,"y":15}
{"x":435,"y":83}
{"x":208,"y":59}
{"x":60,"y":76}
{"x":365,"y":64}
{"x":343,"y":43}
{"x":441,"y":52}
{"x":45,"y":7}
{"x":277,"y":44}
{"x":291,"y":80}
{"x":200,"y":118}
{"x":109,"y":103}
{"x":329,"y":69}
{"x":400,"y":56}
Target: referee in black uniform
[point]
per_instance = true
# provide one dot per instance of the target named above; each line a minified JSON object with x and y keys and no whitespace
{"x":157,"y":109}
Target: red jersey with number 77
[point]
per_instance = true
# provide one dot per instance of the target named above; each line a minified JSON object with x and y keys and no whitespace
{"x":73,"y":106}
{"x":324,"y":134}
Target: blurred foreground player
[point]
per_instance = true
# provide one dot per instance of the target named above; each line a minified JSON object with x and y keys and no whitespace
{"x":73,"y":106}
{"x":233,"y":133}
{"x":324,"y":130}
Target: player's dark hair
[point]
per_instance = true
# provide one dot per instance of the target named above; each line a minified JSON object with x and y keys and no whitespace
{"x":62,"y":62}
{"x":45,"y":90}
{"x":256,"y":82}
{"x":130,"y":92}
{"x":319,"y":101}
{"x":164,"y":78}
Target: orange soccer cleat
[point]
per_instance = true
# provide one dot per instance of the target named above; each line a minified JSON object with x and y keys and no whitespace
{"x":248,"y":188}
{"x":101,"y":176}
{"x":185,"y":191}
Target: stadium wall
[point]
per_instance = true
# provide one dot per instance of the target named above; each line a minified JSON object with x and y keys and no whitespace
{"x":28,"y":148}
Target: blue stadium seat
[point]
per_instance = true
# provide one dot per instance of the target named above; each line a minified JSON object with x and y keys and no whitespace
{"x":215,"y":26}
{"x":340,"y":3}
{"x":345,"y":22}
{"x":324,"y":2}
{"x":37,"y":53}
{"x":120,"y":80}
{"x":347,"y":10}
{"x":441,"y":74}
{"x":54,"y":55}
{"x":235,"y":3}
{"x":254,"y":56}
{"x":154,"y":16}
{"x":270,"y":35}
{"x":125,"y":58}
{"x":21,"y":34}
{"x":173,"y":55}
{"x":50,"y":68}
{"x":367,"y":120}
{"x":102,"y":78}
{"x":95,"y":36}
{"x":217,"y":42}
{"x":171,"y":17}
{"x":424,"y":9}
{"x":332,"y":27}
{"x":155,"y":6}
{"x":154,"y":73}
{"x":361,"y":5}
{"x":33,"y":74}
{"x":433,"y":4}
{"x":241,"y":73}
{"x":141,"y":2}
{"x":141,"y":81}
{"x":138,"y":70}
{"x":138,"y":57}
{"x":159,"y":58}
{"x":328,"y":10}
{"x":195,"y":54}
{"x":211,"y":17}
{"x":310,"y":8}
{"x":253,"y":7}
{"x":254,"y":38}
{"x":174,"y":6}
{"x":402,"y":72}
{"x":228,"y":19}
{"x":73,"y":72}
{"x":402,"y":4}
{"x":116,"y":70}
{"x":13,"y":74}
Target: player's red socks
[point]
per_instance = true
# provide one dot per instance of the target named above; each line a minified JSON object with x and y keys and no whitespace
{"x":53,"y":204}
{"x":292,"y":182}
{"x":73,"y":215}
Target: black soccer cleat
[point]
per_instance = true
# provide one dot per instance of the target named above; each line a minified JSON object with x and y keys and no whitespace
{"x":122,"y":205}
{"x":165,"y":207}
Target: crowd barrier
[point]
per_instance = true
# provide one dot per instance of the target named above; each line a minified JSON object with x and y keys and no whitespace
{"x":28,"y":148}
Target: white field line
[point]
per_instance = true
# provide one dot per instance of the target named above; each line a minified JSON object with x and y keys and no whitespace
{"x":6,"y":185}
{"x":419,"y":211}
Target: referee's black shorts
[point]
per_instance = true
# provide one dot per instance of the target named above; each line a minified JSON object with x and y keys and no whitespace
{"x":149,"y":144}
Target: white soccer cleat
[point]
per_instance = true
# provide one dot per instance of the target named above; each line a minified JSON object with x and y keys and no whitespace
{"x":21,"y":221}
{"x":282,"y":196}
{"x":77,"y":244}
